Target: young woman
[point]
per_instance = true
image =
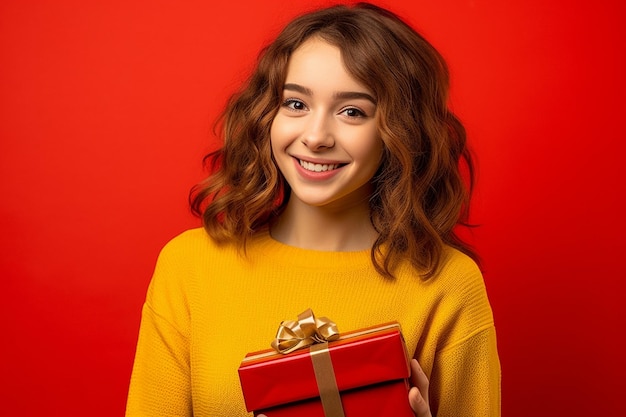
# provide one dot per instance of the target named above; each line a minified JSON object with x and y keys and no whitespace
{"x":338,"y":188}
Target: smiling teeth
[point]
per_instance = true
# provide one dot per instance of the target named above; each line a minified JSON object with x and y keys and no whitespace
{"x":309,"y":166}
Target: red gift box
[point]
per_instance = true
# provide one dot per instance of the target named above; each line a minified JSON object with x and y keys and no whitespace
{"x":370,"y":369}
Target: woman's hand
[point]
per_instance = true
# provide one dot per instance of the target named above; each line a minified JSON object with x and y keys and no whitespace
{"x":418,"y":394}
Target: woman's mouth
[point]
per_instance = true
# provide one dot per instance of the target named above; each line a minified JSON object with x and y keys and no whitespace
{"x":313,"y":167}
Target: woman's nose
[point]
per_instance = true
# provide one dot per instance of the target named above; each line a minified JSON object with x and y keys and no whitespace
{"x":319,"y":133}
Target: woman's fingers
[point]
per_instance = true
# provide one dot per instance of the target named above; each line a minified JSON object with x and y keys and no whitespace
{"x":418,"y":394}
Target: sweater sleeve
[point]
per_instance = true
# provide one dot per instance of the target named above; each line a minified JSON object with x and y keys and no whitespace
{"x":160,"y":382}
{"x":466,"y":378}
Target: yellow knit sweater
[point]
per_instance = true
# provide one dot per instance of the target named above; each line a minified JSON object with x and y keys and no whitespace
{"x":207,"y":306}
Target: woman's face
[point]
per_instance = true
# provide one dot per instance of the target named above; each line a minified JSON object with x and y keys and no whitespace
{"x":324,"y":138}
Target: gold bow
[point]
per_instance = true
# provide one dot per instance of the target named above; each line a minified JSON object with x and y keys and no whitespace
{"x":306,"y":331}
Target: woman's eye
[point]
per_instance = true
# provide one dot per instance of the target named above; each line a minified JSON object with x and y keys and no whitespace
{"x":294,"y":104}
{"x":353,"y":112}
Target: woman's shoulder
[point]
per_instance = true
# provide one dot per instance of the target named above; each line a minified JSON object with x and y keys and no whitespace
{"x":463,"y":287}
{"x":460,"y":276}
{"x":189,"y":237}
{"x":459,"y":264}
{"x":189,"y":254}
{"x":189,"y":243}
{"x":189,"y":240}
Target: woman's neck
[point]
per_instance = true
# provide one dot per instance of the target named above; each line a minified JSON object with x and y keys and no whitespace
{"x":325,"y":228}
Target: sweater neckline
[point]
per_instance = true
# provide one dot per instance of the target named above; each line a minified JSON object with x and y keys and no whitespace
{"x":268,"y":246}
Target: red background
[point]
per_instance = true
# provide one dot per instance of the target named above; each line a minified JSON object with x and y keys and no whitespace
{"x":106,"y":110}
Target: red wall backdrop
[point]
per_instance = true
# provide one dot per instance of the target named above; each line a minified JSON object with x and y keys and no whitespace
{"x":106,"y":110}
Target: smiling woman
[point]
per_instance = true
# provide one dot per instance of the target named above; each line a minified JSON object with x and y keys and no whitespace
{"x":326,"y":144}
{"x":340,"y":163}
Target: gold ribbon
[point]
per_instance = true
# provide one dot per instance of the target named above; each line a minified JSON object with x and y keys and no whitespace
{"x":304,"y":332}
{"x":316,"y":333}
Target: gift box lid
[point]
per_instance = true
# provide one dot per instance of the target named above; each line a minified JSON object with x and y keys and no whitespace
{"x":360,"y":358}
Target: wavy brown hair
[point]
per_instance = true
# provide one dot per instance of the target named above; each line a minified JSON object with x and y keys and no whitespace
{"x":420,"y":192}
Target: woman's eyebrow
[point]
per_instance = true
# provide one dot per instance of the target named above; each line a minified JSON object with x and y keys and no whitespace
{"x":354,"y":95}
{"x":298,"y":88}
{"x":342,"y":95}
